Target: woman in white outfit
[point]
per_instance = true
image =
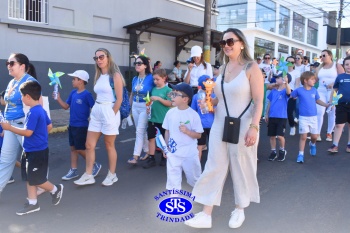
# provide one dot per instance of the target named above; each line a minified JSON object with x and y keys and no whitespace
{"x":105,"y":116}
{"x":243,"y":82}
{"x":326,"y":73}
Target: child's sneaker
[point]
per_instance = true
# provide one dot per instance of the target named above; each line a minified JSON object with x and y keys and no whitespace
{"x":281,"y":155}
{"x":334,"y":149}
{"x":329,"y":137}
{"x":151,"y":162}
{"x":348,"y":148}
{"x":11,"y":180}
{"x":96,"y":169}
{"x":28,"y":208}
{"x":85,"y":179}
{"x":72,"y":173}
{"x":272,"y":156}
{"x":56,"y":197}
{"x":110,"y":179}
{"x":237,"y":218}
{"x":200,"y":220}
{"x":312,"y":149}
{"x":319,"y":139}
{"x":300,"y":159}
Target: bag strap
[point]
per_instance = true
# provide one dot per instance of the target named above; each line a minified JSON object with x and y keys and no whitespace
{"x":223,"y":94}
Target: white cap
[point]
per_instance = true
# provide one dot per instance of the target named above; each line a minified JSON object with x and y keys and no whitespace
{"x":196,"y":51}
{"x":82,"y":74}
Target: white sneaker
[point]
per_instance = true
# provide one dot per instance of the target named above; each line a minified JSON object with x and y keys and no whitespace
{"x":292,"y":131}
{"x":200,"y":220}
{"x":85,"y":179}
{"x":319,"y":139}
{"x":237,"y":218}
{"x":110,"y":179}
{"x":296,"y":120}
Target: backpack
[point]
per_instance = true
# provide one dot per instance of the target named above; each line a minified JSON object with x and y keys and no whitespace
{"x":125,"y":106}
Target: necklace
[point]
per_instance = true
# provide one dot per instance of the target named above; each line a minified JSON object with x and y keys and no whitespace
{"x":14,"y":84}
{"x":139,"y":87}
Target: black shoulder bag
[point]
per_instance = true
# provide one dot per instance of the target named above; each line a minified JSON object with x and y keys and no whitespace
{"x":232,"y":124}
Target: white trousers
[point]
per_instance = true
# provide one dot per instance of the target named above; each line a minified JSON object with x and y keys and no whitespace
{"x":141,"y":121}
{"x":324,"y":96}
{"x":175,"y":165}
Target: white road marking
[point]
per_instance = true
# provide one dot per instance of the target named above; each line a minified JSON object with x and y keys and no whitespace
{"x":128,"y":140}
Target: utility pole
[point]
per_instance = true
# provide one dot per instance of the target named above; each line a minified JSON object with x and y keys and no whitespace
{"x":207,"y":30}
{"x":339,"y":29}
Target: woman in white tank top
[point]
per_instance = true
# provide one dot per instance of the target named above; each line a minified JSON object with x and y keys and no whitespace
{"x":326,"y":74}
{"x":104,"y":117}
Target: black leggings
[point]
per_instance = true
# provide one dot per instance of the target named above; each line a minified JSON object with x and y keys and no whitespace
{"x":291,"y":107}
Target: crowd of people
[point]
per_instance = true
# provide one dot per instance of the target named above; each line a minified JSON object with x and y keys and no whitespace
{"x":171,"y":106}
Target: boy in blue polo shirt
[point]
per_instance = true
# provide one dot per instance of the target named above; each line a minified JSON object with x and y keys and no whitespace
{"x":80,"y":102}
{"x":34,"y":162}
{"x":308,"y":97}
{"x":276,"y":117}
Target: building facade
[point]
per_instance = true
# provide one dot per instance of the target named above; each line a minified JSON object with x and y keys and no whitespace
{"x":276,"y":27}
{"x":63,"y":35}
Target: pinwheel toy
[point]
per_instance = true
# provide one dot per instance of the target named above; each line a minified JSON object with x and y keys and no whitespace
{"x":336,"y":98}
{"x":148,"y":104}
{"x":54,"y":77}
{"x":2,"y":118}
{"x":161,"y":142}
{"x":142,"y":53}
{"x":283,"y":66}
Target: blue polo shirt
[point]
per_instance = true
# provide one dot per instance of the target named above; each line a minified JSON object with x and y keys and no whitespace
{"x":278,"y":103}
{"x":307,"y":101}
{"x":80,"y":106}
{"x":342,"y":83}
{"x":36,"y":121}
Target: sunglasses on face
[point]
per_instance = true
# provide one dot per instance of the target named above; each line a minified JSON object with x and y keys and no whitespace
{"x":174,"y":94}
{"x":229,"y":42}
{"x":323,"y":55}
{"x":138,"y":63}
{"x":101,"y":57}
{"x":297,"y":58}
{"x":267,"y":58}
{"x":11,"y":63}
{"x":291,"y":62}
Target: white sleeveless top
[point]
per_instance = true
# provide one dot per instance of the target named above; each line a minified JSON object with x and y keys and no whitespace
{"x":103,"y":90}
{"x":327,"y":76}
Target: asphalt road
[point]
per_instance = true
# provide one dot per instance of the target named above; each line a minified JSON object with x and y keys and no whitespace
{"x":309,"y":197}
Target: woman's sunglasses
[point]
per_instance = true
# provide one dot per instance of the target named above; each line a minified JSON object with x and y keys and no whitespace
{"x":229,"y":42}
{"x":11,"y":63}
{"x":324,"y":55}
{"x":138,"y":63}
{"x":101,"y":57}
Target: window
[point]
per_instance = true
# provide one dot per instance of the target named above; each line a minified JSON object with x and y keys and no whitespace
{"x":312,"y":31}
{"x":314,"y":58}
{"x":284,"y":21}
{"x":29,"y":10}
{"x":233,"y":14}
{"x":262,"y":46}
{"x":298,"y":27}
{"x":266,"y":15}
{"x":283,"y":50}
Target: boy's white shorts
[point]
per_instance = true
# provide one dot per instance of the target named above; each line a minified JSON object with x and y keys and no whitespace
{"x":308,"y":124}
{"x":104,"y":120}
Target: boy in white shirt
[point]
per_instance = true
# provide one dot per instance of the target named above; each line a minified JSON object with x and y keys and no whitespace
{"x":183,"y":127}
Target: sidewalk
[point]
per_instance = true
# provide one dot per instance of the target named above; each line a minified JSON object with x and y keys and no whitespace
{"x":60,"y":120}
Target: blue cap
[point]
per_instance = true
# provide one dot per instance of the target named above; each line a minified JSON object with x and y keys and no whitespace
{"x":185,"y":88}
{"x":202,"y":79}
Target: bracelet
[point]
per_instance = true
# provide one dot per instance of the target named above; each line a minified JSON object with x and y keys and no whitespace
{"x":254,"y":126}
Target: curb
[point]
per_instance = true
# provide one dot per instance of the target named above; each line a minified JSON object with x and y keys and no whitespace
{"x":60,"y":129}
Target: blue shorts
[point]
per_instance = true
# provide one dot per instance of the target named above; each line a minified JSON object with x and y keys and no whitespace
{"x":77,"y":137}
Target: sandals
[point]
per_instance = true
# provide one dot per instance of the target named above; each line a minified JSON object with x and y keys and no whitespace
{"x":132,"y":161}
{"x":143,"y":158}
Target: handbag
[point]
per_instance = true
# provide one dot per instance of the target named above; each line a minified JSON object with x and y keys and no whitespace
{"x":231,"y":124}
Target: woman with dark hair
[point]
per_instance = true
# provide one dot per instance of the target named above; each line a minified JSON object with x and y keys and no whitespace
{"x":177,"y":72}
{"x":104,"y":117}
{"x":141,"y":85}
{"x":240,"y":86}
{"x":326,"y":74}
{"x":18,"y":66}
{"x":157,"y":65}
{"x":196,"y":68}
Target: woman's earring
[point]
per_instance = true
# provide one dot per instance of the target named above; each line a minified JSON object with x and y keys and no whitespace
{"x":242,"y":47}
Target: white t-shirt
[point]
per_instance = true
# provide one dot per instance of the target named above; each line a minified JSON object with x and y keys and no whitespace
{"x":198,"y":71}
{"x":179,"y":143}
{"x":300,"y":68}
{"x":103,"y":89}
{"x":295,"y":75}
{"x":268,"y":69}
